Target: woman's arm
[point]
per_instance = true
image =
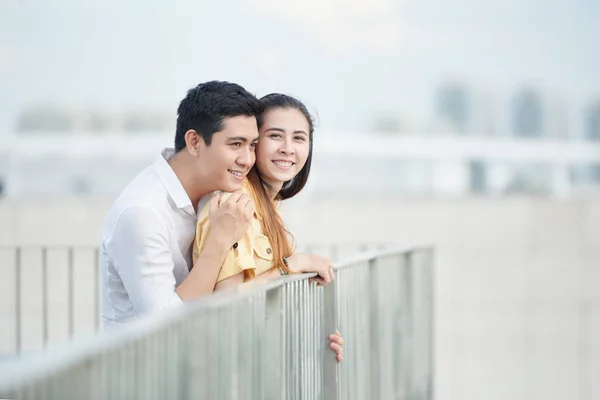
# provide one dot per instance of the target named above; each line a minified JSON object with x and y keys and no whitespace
{"x":304,"y":263}
{"x":230,"y":283}
{"x":271,"y":274}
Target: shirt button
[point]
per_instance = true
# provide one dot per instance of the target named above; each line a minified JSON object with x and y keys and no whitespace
{"x":235,"y":245}
{"x":269,"y":250}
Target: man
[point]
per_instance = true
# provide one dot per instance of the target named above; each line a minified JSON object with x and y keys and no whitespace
{"x":149,"y":230}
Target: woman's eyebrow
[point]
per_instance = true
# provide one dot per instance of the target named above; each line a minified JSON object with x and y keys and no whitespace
{"x":283,"y":130}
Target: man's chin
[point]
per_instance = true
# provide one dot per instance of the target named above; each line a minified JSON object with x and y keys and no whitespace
{"x":232,"y":186}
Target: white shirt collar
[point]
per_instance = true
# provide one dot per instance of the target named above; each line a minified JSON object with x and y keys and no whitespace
{"x":170,"y":180}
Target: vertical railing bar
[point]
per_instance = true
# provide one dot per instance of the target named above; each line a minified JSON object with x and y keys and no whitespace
{"x":97,"y":289}
{"x":330,"y":367}
{"x":18,"y":299}
{"x":410,"y":260}
{"x":374,"y":323}
{"x":45,"y":293}
{"x":275,"y":323}
{"x":431,"y":325}
{"x":71,"y":293}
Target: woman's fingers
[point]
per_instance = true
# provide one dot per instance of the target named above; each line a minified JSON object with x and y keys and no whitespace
{"x":337,"y":338}
{"x":337,"y":349}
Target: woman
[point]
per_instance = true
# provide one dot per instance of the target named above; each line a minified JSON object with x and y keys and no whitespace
{"x":283,"y":161}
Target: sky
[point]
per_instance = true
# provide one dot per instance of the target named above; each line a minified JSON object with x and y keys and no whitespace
{"x":348,"y":60}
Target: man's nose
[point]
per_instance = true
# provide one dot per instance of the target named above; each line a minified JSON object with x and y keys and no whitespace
{"x":246,"y":159}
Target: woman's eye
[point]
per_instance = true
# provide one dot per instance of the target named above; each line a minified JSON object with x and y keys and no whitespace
{"x":275,"y":135}
{"x":300,"y":138}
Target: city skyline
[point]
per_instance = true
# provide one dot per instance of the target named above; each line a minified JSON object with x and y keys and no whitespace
{"x":348,"y":61}
{"x":457,"y":107}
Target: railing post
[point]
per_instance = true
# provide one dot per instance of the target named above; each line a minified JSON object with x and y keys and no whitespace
{"x":426,"y":285}
{"x":97,"y":282}
{"x":330,"y":366}
{"x":45,"y":294}
{"x":409,"y":333}
{"x":374,"y":345}
{"x":274,"y":382}
{"x":71,"y":293}
{"x":18,"y":299}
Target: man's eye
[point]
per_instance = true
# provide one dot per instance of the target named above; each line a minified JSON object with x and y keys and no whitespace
{"x":236,"y":144}
{"x":253,"y":146}
{"x":300,"y":138}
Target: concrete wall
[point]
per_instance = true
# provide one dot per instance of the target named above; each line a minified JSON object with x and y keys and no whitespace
{"x":517,"y":281}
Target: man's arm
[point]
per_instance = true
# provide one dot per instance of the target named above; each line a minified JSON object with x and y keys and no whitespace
{"x":139,"y":250}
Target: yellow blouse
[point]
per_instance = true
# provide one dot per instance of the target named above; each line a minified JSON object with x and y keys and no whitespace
{"x":252,"y":255}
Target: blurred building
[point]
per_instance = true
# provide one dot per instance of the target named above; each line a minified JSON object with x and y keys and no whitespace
{"x":88,"y":164}
{"x":96,"y":153}
{"x":54,"y":119}
{"x":592,"y":122}
{"x":527,"y":113}
{"x":452,"y":107}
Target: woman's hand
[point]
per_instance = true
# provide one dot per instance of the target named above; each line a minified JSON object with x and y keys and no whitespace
{"x":306,"y":263}
{"x":337,"y":343}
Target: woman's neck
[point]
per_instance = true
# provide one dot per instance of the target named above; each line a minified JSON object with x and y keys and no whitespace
{"x":272,"y":188}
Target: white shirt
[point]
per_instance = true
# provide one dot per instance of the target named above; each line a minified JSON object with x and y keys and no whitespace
{"x":146,"y":245}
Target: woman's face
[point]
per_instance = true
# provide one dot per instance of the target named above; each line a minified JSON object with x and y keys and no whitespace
{"x":283,"y":145}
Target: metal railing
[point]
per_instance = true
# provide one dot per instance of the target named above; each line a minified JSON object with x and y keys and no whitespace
{"x":52,"y":293}
{"x":261,"y":342}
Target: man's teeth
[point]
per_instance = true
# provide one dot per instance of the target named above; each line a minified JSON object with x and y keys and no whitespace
{"x":283,"y":163}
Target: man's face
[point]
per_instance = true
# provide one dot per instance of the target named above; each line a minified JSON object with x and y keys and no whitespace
{"x":226,"y":162}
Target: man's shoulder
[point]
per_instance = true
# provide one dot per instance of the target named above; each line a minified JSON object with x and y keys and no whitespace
{"x":142,"y":195}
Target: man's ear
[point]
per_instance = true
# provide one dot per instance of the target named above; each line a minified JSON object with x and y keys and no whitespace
{"x":192,"y":141}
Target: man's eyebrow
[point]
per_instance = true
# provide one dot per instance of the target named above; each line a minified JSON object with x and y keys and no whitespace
{"x":237,"y":139}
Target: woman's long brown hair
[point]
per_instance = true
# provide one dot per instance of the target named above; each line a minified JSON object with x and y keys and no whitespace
{"x":271,"y":221}
{"x":272,"y":224}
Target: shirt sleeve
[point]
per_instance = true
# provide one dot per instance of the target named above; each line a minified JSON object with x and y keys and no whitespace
{"x":140,"y":252}
{"x":238,"y":259}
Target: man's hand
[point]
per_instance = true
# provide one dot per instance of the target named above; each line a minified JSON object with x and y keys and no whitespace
{"x":230,"y":219}
{"x":306,"y":263}
{"x":337,"y":343}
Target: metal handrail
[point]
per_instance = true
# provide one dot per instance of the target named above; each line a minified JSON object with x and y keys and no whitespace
{"x":289,"y":321}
